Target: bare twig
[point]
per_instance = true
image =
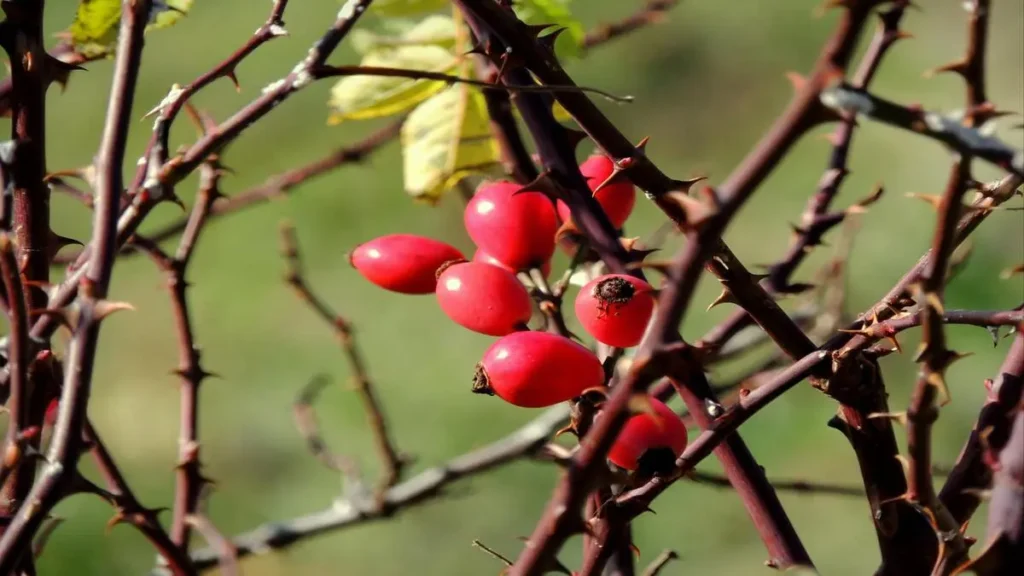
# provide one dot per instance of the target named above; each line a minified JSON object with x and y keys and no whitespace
{"x":226,"y":550}
{"x":653,"y":12}
{"x":305,"y":420}
{"x":659,"y":563}
{"x":190,"y":371}
{"x":972,"y":471}
{"x":420,"y":488}
{"x":391,"y":461}
{"x":169,"y":109}
{"x":945,"y":129}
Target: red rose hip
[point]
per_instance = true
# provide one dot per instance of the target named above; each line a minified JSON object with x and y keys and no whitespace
{"x":616,"y":198}
{"x":516,"y":229}
{"x":483,"y":298}
{"x":481,"y":256}
{"x":615,"y":309}
{"x":403,"y":263}
{"x":654,"y":440}
{"x":537,"y":369}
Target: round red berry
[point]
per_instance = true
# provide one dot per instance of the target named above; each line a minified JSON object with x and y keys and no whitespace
{"x":403,"y":263}
{"x":484,"y":298}
{"x":652,"y":441}
{"x":617,"y":198}
{"x":481,"y":256}
{"x":537,"y":369}
{"x":615,"y":309}
{"x":517,"y":228}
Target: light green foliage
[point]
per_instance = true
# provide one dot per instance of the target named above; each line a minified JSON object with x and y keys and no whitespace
{"x":94,"y":30}
{"x":555,"y":12}
{"x":362,"y":97}
{"x":407,"y":7}
{"x":436,"y":29}
{"x":446,"y":139}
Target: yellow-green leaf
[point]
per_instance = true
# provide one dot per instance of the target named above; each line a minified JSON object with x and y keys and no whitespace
{"x":362,"y":97}
{"x":94,"y":30}
{"x":407,"y":7}
{"x":445,"y":139}
{"x":436,"y":30}
{"x":556,"y":13}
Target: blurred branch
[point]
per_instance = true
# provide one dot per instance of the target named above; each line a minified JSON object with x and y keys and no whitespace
{"x":305,"y":420}
{"x":418,"y":489}
{"x":653,"y":12}
{"x":948,"y":130}
{"x":660,"y":563}
{"x":277,"y":186}
{"x":128,"y":509}
{"x":798,"y":486}
{"x":391,"y":462}
{"x":816,"y":219}
{"x":228,"y":557}
{"x":972,"y":472}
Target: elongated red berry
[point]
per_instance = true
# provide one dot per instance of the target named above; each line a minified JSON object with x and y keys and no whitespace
{"x":516,"y":228}
{"x":51,"y":412}
{"x":617,"y":198}
{"x":652,"y":441}
{"x":403,"y":263}
{"x":481,"y":256}
{"x":537,"y":369}
{"x":615,"y":309}
{"x":483,"y":298}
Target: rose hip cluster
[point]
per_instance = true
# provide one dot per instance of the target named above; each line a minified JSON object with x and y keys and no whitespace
{"x":516,"y":231}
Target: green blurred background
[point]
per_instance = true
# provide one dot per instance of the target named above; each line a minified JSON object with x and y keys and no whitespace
{"x":707,"y":83}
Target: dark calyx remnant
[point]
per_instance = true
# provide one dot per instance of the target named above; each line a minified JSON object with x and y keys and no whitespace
{"x":481,"y":384}
{"x":613,"y":292}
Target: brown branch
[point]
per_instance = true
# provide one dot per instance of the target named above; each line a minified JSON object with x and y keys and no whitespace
{"x":1004,"y":535}
{"x":391,"y":461}
{"x":228,"y":554}
{"x":950,"y":131}
{"x":557,"y":524}
{"x":177,"y":168}
{"x":817,"y":219}
{"x":66,"y":445}
{"x":931,"y":386}
{"x":306,"y":422}
{"x":21,"y":35}
{"x":128,"y":509}
{"x":797,"y":486}
{"x":517,"y":445}
{"x":972,"y":472}
{"x":190,"y":371}
{"x":653,"y":12}
{"x":169,"y":109}
{"x":181,"y":165}
{"x":277,"y":186}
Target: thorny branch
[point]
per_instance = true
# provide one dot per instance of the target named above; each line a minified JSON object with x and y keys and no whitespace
{"x":66,"y":445}
{"x":190,"y":371}
{"x":391,"y":461}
